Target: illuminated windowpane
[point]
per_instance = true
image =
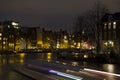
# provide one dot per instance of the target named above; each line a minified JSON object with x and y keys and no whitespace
{"x":114,"y":25}
{"x":109,"y":25}
{"x":14,"y":24}
{"x":4,"y":42}
{"x":8,"y":26}
{"x":65,"y":37}
{"x":114,"y":22}
{"x":105,"y":26}
{"x":4,"y":47}
{"x":4,"y":38}
{"x":0,"y":34}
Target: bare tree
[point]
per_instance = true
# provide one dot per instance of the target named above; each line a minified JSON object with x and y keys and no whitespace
{"x":96,"y":14}
{"x":79,"y":24}
{"x":92,"y":21}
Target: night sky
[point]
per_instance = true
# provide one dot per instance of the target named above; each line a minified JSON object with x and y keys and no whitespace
{"x":50,"y":14}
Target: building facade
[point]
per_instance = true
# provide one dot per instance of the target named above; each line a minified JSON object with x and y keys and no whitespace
{"x":13,"y":36}
{"x":9,"y":35}
{"x":111,"y":33}
{"x":28,"y":37}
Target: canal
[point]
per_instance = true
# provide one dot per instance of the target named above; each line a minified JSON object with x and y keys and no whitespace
{"x":7,"y":61}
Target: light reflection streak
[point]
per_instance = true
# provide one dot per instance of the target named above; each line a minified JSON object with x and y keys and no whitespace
{"x":11,"y":61}
{"x":75,"y":64}
{"x":109,"y":67}
{"x":65,"y":75}
{"x":22,"y":55}
{"x":102,"y":72}
{"x":48,"y":57}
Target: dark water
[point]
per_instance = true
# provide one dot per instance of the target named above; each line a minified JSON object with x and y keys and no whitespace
{"x":7,"y":73}
{"x":7,"y":61}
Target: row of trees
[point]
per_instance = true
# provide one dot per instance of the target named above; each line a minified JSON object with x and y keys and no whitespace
{"x":90,"y":22}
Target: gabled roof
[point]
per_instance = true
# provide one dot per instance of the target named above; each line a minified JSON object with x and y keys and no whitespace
{"x":111,"y":17}
{"x":116,"y":16}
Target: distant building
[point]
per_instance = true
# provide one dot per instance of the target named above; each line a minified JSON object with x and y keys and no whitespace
{"x":52,"y":39}
{"x":13,"y":36}
{"x":39,"y":37}
{"x":49,"y":39}
{"x":63,"y":39}
{"x":28,"y":37}
{"x":111,"y":33}
{"x":9,"y":35}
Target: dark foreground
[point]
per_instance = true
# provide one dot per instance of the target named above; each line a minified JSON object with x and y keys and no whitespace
{"x":24,"y":66}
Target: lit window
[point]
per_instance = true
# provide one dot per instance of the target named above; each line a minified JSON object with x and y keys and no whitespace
{"x":72,"y":35}
{"x":4,"y":38}
{"x":114,"y":25}
{"x":8,"y":26}
{"x":109,"y":25}
{"x":114,"y":22}
{"x":4,"y":47}
{"x":4,"y":42}
{"x":65,"y":37}
{"x":105,"y":25}
{"x":83,"y":32}
{"x":14,"y":24}
{"x":69,"y":35}
{"x":0,"y":34}
{"x":0,"y":38}
{"x":12,"y":36}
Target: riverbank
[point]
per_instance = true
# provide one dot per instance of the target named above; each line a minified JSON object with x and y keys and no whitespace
{"x":90,"y":57}
{"x":7,"y":52}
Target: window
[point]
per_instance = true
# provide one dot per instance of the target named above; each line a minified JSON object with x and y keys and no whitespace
{"x":4,"y":42}
{"x":8,"y":26}
{"x":109,"y":35}
{"x":105,"y":26}
{"x":109,"y":25}
{"x":0,"y":34}
{"x":114,"y":25}
{"x":4,"y":38}
{"x":114,"y":35}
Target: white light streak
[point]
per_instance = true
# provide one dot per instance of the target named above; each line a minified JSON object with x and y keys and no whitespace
{"x":65,"y":75}
{"x":102,"y":72}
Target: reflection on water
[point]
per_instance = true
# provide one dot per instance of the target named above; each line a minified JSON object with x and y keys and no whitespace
{"x":45,"y":56}
{"x":48,"y":57}
{"x":108,"y":67}
{"x":75,"y":63}
{"x":11,"y":59}
{"x":6,"y":72}
{"x":6,"y":60}
{"x":22,"y":56}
